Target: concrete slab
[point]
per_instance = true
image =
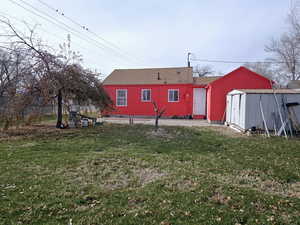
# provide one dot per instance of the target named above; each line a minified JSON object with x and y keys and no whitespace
{"x":163,"y":122}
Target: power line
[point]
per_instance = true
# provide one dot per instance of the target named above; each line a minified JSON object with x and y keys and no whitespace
{"x":100,"y":45}
{"x":58,"y":24}
{"x":85,"y":28}
{"x":50,"y":21}
{"x":49,"y":33}
{"x":238,"y":62}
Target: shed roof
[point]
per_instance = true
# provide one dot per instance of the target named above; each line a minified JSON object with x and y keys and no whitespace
{"x":265,"y":91}
{"x":175,"y":75}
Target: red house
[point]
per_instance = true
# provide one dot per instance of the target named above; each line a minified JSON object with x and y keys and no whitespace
{"x":176,"y":90}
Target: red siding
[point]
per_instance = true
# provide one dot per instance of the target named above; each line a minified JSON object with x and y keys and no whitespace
{"x":241,"y":78}
{"x":159,"y":94}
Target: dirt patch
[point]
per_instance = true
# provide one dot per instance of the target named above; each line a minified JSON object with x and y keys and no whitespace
{"x":185,"y":185}
{"x":259,"y":182}
{"x":147,"y":175}
{"x":219,"y":198}
{"x":33,"y":131}
{"x":115,"y":173}
{"x":226,"y":131}
{"x":160,"y":133}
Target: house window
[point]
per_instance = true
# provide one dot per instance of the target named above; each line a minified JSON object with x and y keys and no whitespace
{"x":173,"y":95}
{"x":121,"y":97}
{"x":146,"y":95}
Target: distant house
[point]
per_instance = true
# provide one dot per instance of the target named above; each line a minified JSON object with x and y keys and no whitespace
{"x":176,"y":90}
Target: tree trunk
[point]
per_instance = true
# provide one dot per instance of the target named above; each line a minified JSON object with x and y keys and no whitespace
{"x":6,"y":124}
{"x":156,"y":122}
{"x":59,"y":109}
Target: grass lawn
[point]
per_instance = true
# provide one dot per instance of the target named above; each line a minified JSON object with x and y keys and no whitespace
{"x":119,"y":174}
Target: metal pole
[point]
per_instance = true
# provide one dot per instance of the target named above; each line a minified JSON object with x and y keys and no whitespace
{"x":287,"y":115}
{"x":263,"y":117}
{"x":188,"y":59}
{"x":280,"y":115}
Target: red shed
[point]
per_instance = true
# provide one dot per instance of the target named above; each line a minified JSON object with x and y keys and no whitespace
{"x":176,"y":90}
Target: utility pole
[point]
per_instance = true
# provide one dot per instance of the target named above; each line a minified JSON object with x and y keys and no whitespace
{"x":188,"y":59}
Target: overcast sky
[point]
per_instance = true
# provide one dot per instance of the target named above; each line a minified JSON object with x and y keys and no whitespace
{"x":157,"y":33}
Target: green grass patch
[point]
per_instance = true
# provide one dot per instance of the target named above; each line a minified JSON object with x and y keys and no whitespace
{"x":119,"y":174}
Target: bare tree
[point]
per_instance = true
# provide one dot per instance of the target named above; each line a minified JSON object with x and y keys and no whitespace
{"x":50,"y":76}
{"x":286,"y":52}
{"x":293,"y":18}
{"x":15,"y":93}
{"x":7,"y":71}
{"x":286,"y":49}
{"x":202,"y":71}
{"x":262,"y":68}
{"x":158,"y":113}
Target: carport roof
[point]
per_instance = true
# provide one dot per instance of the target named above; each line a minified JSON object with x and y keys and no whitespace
{"x":266,"y":91}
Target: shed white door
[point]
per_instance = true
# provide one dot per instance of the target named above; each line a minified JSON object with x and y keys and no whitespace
{"x":199,"y":101}
{"x":236,"y":104}
{"x":228,"y":108}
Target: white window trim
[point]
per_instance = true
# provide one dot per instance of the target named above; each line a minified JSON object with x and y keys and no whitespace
{"x":126,"y":97}
{"x":142,"y":92}
{"x":169,"y":95}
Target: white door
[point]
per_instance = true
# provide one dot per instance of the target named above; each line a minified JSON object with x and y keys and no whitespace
{"x":199,"y":101}
{"x":228,"y":108}
{"x":235,"y":109}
